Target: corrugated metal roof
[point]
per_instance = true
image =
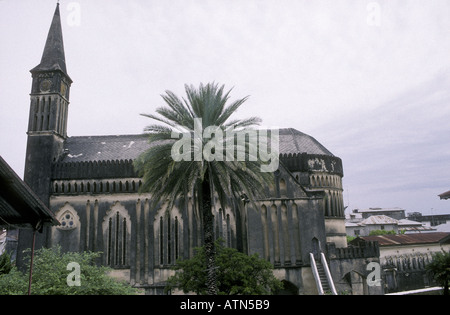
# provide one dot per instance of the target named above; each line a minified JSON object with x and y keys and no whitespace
{"x":381,"y":209}
{"x":403,"y":222}
{"x":379,"y":219}
{"x":352,"y":224}
{"x":19,"y":206}
{"x":409,"y":239}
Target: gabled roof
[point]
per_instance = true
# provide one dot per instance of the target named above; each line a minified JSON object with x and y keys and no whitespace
{"x":19,"y":206}
{"x":409,"y":239}
{"x":407,"y":222}
{"x":443,"y":227}
{"x":53,"y":57}
{"x":126,"y":147}
{"x":379,"y":219}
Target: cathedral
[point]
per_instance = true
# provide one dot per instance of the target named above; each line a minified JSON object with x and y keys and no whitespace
{"x":91,"y":186}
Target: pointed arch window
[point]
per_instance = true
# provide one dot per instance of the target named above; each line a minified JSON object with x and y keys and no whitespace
{"x":68,"y":218}
{"x":67,"y":221}
{"x":116,"y":233}
{"x":168,"y":233}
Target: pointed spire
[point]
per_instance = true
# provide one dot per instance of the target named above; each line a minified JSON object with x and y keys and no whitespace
{"x":53,"y":57}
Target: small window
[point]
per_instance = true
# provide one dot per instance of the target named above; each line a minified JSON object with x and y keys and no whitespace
{"x":67,"y":221}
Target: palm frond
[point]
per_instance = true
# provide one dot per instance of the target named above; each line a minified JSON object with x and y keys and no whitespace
{"x":167,"y":180}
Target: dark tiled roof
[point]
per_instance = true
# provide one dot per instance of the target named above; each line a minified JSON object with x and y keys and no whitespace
{"x":105,"y":148}
{"x":294,"y":141}
{"x":126,"y":147}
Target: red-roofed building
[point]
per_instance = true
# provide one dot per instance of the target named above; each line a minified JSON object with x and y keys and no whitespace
{"x":406,"y":244}
{"x":404,"y":257}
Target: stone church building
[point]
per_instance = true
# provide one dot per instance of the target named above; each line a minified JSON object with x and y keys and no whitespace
{"x":89,"y":183}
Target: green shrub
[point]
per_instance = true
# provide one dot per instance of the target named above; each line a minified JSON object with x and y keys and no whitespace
{"x":237,"y":273}
{"x":51,"y":273}
{"x":5,"y":263}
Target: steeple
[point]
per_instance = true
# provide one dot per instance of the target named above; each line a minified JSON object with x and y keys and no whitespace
{"x":53,"y":57}
{"x":51,"y":85}
{"x":49,"y":107}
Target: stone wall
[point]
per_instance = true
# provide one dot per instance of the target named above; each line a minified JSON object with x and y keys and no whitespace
{"x":352,"y":269}
{"x":407,"y":272}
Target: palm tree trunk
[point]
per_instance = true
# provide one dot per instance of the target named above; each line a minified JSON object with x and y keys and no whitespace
{"x":208,"y":230}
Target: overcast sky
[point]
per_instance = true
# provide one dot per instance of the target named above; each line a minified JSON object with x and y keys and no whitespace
{"x":370,"y":80}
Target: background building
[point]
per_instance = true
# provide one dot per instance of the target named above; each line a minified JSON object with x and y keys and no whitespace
{"x":404,"y":258}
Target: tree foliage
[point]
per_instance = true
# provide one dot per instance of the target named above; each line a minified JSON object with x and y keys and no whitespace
{"x":237,"y":273}
{"x":440,"y":267}
{"x":50,"y":275}
{"x":5,"y":263}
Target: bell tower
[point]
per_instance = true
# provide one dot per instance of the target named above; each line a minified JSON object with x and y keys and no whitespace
{"x":49,"y":104}
{"x":47,"y":126}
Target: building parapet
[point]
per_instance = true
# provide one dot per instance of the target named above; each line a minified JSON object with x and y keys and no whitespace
{"x":303,"y":162}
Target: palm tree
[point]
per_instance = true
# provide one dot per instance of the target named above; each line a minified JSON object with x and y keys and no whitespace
{"x":173,"y":168}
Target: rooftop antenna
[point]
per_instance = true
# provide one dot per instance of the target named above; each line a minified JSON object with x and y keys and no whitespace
{"x":348,"y":199}
{"x":432,"y":217}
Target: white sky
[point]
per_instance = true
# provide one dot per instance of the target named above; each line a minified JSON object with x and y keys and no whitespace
{"x":368,"y":79}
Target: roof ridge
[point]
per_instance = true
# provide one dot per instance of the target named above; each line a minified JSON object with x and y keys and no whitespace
{"x":110,"y":136}
{"x":295,"y":140}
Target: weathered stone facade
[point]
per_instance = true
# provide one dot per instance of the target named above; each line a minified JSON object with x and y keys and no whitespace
{"x":91,"y":186}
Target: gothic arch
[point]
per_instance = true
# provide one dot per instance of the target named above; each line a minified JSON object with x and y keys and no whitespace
{"x":285,"y":234}
{"x":288,"y":288}
{"x":225,"y":222}
{"x":333,"y":204}
{"x":116,"y":228}
{"x":168,"y":232}
{"x":315,"y":247}
{"x":327,"y":207}
{"x":265,"y":231}
{"x":68,"y":217}
{"x":283,"y":188}
{"x":67,"y":234}
{"x":275,"y":233}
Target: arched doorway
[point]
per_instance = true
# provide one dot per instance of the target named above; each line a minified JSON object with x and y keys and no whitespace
{"x":315,"y":247}
{"x":288,"y":288}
